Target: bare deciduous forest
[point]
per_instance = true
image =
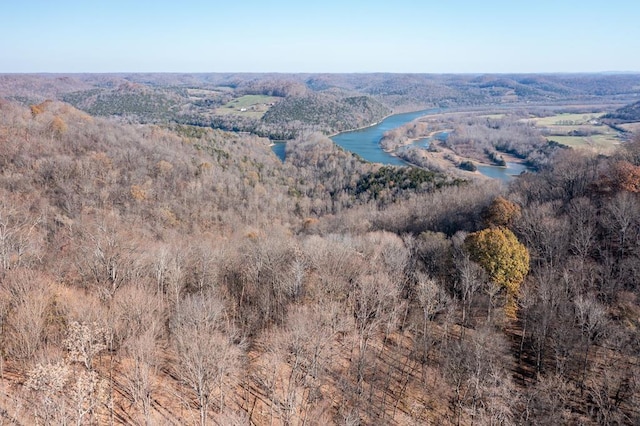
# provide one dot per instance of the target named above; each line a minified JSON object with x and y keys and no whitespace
{"x":154,"y":271}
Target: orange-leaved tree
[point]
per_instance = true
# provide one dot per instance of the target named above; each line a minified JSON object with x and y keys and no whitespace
{"x":626,"y":176}
{"x":501,"y":212}
{"x":505,"y":259}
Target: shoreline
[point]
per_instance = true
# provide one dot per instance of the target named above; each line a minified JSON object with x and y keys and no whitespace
{"x":380,"y":121}
{"x":411,"y":141}
{"x":447,"y":161}
{"x":442,"y":159}
{"x":332,"y":135}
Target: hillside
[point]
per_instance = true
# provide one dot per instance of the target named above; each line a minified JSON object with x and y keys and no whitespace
{"x":325,"y":102}
{"x":327,"y":113}
{"x":127,"y":100}
{"x":627,"y":114}
{"x":162,"y":273}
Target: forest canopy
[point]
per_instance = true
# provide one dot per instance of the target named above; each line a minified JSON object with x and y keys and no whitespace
{"x":159,"y":272}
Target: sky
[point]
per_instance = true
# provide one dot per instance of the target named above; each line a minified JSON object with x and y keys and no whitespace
{"x":333,"y":36}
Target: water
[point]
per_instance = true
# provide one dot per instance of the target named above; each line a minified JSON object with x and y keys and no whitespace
{"x":422,"y":143}
{"x":279,"y":149}
{"x":366,"y":142}
{"x":425,"y":142}
{"x":502,"y":173}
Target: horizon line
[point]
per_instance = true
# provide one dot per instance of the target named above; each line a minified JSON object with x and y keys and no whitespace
{"x":316,"y":72}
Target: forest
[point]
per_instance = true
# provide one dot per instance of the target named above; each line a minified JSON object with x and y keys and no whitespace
{"x":161,"y":271}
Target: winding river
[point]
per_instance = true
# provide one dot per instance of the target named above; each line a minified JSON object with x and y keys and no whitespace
{"x":366,"y":143}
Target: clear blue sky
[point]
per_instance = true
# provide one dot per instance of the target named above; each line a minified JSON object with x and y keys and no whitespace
{"x":424,"y":36}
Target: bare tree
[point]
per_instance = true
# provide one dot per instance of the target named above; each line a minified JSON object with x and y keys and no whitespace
{"x":376,"y":309}
{"x":481,"y":386}
{"x":469,"y":281}
{"x":592,"y":320}
{"x":31,"y":298}
{"x":131,"y":319}
{"x":19,"y":233}
{"x":432,"y":300}
{"x":610,"y":389}
{"x":298,"y":361}
{"x":583,"y":217}
{"x":621,"y":222}
{"x":545,"y":401}
{"x":87,"y":392}
{"x":85,"y":341}
{"x":544,"y":233}
{"x":207,"y":356}
{"x":263,"y":277}
{"x":141,"y":377}
{"x":107,"y":256}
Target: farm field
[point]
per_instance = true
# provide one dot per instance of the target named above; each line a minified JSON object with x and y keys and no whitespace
{"x":253,"y":106}
{"x":566,"y":119}
{"x":580,"y":131}
{"x":604,"y":143}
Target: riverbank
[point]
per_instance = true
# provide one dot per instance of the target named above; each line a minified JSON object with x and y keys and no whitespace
{"x":412,"y":141}
{"x":366,"y":143}
{"x":427,"y":112}
{"x":439,"y":157}
{"x":369,"y":125}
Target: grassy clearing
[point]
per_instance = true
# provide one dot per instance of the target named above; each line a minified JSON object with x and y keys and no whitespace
{"x":250,"y":100}
{"x":604,"y":143}
{"x":566,"y":119}
{"x":569,"y":130}
{"x":248,"y":106}
{"x":203,"y":92}
{"x":579,"y":130}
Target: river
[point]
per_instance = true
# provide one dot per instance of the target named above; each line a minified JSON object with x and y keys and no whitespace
{"x":502,"y":173}
{"x":366,"y":143}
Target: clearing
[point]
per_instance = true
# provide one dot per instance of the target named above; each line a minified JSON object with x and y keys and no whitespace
{"x":248,"y":106}
{"x":580,"y":131}
{"x":604,"y":143}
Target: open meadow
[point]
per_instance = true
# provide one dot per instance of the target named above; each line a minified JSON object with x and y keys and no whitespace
{"x":253,"y":106}
{"x":579,"y":130}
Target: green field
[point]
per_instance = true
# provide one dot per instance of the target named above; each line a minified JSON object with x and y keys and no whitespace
{"x":248,"y":106}
{"x":566,"y":119}
{"x":604,"y":143}
{"x":565,"y":129}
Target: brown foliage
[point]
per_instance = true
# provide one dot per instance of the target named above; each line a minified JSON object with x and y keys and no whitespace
{"x":32,"y":310}
{"x":347,"y":311}
{"x":501,"y":212}
{"x":40,"y":108}
{"x":625,"y":176}
{"x":58,"y":126}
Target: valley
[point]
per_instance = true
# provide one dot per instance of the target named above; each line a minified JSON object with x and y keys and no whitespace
{"x":161,"y":265}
